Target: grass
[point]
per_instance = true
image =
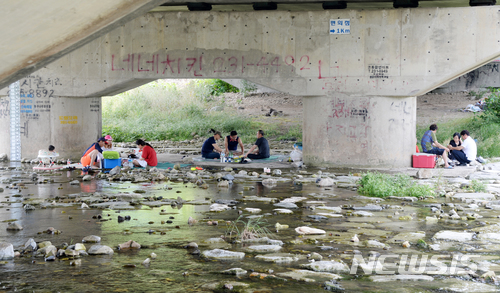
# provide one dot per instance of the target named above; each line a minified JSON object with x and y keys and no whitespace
{"x":163,"y":110}
{"x":477,"y":186}
{"x":384,"y":185}
{"x":251,"y":229}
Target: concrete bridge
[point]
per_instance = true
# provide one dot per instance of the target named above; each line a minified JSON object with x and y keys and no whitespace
{"x":359,"y":71}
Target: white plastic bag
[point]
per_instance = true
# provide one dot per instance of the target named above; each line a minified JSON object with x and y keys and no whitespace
{"x":296,"y":155}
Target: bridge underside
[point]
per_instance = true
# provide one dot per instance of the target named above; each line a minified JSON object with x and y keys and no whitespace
{"x":359,"y":85}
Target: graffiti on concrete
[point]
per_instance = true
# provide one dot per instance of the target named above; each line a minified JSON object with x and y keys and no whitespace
{"x":349,"y":119}
{"x":4,"y":107}
{"x":199,"y":65}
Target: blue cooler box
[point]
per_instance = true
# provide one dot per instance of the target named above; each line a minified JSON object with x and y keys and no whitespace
{"x":111,"y":163}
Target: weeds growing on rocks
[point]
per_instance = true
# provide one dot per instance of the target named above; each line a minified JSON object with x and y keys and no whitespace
{"x":384,"y":185}
{"x":251,"y":229}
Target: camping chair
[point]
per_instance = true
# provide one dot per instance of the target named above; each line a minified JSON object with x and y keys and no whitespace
{"x":46,"y":158}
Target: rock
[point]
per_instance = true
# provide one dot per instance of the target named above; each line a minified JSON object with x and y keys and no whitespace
{"x":279,"y":257}
{"x":84,"y":206}
{"x":192,"y":245}
{"x":330,"y":215}
{"x":283,"y":211}
{"x":153,"y":255}
{"x":264,"y":248}
{"x":30,"y":245}
{"x":406,"y":244}
{"x":327,"y":266}
{"x":304,"y":230}
{"x":407,"y":236}
{"x":115,"y":171}
{"x":71,"y":253}
{"x":309,"y":276}
{"x":222,"y":254}
{"x":234,"y":271}
{"x":216,"y":207}
{"x":278,"y":227}
{"x":269,"y":182}
{"x":375,"y":244}
{"x":14,"y":227}
{"x":424,"y":173}
{"x":74,"y":182}
{"x":87,"y":178}
{"x":146,"y":262}
{"x":453,"y":236}
{"x":28,"y":207}
{"x":100,"y":249}
{"x":91,"y":239}
{"x":48,"y":251}
{"x":286,"y":205}
{"x":392,"y":278}
{"x":188,"y":160}
{"x":242,"y":173}
{"x":129,"y":245}
{"x":76,"y":262}
{"x":80,"y":247}
{"x":336,"y":210}
{"x":355,"y":238}
{"x":3,"y":157}
{"x":191,"y":221}
{"x":325,"y":182}
{"x":369,"y":207}
{"x":223,"y":183}
{"x":316,"y":256}
{"x":476,"y":196}
{"x":456,"y":285}
{"x":276,"y":172}
{"x":6,"y":250}
{"x":362,"y":214}
{"x":253,"y":210}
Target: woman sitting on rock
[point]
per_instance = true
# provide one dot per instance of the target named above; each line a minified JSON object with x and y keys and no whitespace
{"x":147,"y":155}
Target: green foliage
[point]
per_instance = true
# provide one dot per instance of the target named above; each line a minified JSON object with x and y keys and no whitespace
{"x":383,"y":185}
{"x":251,"y":229}
{"x":218,"y":87}
{"x":492,"y":108}
{"x":247,"y":87}
{"x":477,"y":186}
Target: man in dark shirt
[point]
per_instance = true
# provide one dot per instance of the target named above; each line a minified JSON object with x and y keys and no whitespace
{"x":207,"y":150}
{"x":263,"y":146}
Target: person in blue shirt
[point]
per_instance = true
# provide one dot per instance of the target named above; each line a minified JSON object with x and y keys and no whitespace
{"x":263,"y":146}
{"x":231,"y":143}
{"x":207,"y":150}
{"x":430,"y":145}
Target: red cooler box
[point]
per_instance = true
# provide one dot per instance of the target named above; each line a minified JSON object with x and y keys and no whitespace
{"x":423,"y":160}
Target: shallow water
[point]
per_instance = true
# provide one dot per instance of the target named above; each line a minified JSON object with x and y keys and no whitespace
{"x":175,"y":270}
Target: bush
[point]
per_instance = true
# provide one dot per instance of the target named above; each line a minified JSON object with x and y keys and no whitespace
{"x":492,"y":108}
{"x":218,"y":87}
{"x":384,"y":185}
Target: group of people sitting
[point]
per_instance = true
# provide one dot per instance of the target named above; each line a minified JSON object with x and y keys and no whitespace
{"x":211,"y":150}
{"x":145,"y":155}
{"x":461,"y":150}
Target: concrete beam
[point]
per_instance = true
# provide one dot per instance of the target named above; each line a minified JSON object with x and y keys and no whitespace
{"x":37,"y":32}
{"x":404,"y":52}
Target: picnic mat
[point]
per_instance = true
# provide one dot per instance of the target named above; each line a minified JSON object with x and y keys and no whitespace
{"x":273,"y":158}
{"x":169,"y":165}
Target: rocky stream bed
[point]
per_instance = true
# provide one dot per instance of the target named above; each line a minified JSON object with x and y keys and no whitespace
{"x":167,"y":231}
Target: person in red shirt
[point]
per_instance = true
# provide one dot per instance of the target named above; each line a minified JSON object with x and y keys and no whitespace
{"x":148,"y":155}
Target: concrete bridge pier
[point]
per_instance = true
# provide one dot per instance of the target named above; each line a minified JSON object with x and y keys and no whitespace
{"x":359,"y":131}
{"x":68,"y":123}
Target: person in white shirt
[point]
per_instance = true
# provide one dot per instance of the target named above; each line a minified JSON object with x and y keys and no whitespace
{"x":468,"y":147}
